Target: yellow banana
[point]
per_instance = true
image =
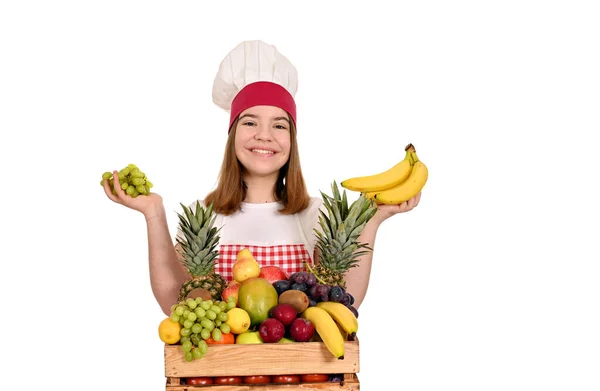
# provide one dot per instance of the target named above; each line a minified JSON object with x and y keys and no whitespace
{"x":327,"y":329}
{"x":384,"y":180}
{"x":407,"y":189}
{"x":342,"y":331}
{"x":370,"y":195}
{"x":341,"y":315}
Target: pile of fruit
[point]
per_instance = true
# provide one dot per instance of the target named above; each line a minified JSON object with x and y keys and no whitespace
{"x":263,"y":305}
{"x":280,"y":310}
{"x":315,"y":291}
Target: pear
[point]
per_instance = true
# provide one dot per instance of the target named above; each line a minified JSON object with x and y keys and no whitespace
{"x":245,"y":266}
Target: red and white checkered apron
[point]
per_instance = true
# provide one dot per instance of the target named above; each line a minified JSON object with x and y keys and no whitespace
{"x":288,"y":257}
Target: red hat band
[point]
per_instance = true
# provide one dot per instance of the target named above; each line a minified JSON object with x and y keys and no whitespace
{"x":262,"y":93}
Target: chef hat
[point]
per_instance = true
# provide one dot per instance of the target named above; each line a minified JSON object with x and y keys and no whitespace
{"x":255,"y":73}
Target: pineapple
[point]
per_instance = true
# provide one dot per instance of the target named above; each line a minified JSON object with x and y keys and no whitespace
{"x":337,"y":242}
{"x":198,"y":251}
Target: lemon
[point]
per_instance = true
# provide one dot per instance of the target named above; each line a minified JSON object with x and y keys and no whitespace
{"x":168,"y":331}
{"x":238,"y":320}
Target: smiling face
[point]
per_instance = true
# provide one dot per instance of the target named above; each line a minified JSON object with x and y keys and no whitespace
{"x":262,"y":140}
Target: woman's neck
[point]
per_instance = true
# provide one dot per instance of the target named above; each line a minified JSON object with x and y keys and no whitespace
{"x":260,"y":190}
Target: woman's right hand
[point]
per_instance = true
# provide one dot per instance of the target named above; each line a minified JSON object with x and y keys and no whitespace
{"x":149,"y":205}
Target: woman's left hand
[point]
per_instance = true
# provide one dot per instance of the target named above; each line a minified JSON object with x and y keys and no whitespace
{"x":384,"y":212}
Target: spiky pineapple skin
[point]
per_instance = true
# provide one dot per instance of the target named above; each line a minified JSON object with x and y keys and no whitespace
{"x":329,"y":277}
{"x":213,"y":283}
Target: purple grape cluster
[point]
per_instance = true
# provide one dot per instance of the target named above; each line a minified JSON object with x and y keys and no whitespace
{"x":316,"y":292}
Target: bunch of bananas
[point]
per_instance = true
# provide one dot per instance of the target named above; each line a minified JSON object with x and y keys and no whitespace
{"x":334,"y":323}
{"x":396,"y":185}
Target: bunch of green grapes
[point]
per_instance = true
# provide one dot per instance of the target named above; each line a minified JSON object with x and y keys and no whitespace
{"x":133,"y":181}
{"x":201,"y":320}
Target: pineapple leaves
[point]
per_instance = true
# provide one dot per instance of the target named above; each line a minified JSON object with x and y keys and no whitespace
{"x":191,"y":220}
{"x":326,"y":225}
{"x":209,"y":212}
{"x":342,"y":225}
{"x":366,"y":214}
{"x":354,"y":213}
{"x":330,"y":217}
{"x":344,"y":206}
{"x":199,"y":215}
{"x":200,"y":238}
{"x":332,"y":206}
{"x":341,"y":234}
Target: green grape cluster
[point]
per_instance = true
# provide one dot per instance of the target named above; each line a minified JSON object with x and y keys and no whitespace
{"x":133,"y":181}
{"x":201,"y":320}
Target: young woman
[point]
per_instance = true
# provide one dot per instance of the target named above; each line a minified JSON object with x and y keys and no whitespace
{"x":261,"y":199}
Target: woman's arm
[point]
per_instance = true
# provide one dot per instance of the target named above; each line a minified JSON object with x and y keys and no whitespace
{"x":167,"y":274}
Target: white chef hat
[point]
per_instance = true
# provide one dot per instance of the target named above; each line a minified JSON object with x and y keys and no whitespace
{"x":255,"y":73}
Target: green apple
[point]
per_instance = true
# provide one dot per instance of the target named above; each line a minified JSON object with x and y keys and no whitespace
{"x":285,"y":340}
{"x":248,"y":337}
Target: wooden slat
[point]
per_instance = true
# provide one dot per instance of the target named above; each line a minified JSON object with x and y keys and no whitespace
{"x":271,"y":387}
{"x":262,"y":359}
{"x":346,"y":385}
{"x":173,"y":381}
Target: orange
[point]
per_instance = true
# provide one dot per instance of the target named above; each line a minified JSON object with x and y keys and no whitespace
{"x":225,"y":339}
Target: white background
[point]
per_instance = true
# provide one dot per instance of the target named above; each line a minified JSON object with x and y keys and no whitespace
{"x":492,"y":283}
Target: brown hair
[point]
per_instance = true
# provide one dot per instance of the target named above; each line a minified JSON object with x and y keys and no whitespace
{"x":290,"y":188}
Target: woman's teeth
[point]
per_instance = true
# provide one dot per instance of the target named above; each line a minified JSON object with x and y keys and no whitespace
{"x":262,"y":152}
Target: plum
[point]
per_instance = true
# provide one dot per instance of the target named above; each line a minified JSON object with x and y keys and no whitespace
{"x":302,"y":330}
{"x":299,"y":286}
{"x":285,"y":313}
{"x":282,"y":286}
{"x":336,"y":293}
{"x":271,"y":330}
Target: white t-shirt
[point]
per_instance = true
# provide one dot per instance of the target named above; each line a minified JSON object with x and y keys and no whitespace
{"x":263,"y":225}
{"x":273,"y":238}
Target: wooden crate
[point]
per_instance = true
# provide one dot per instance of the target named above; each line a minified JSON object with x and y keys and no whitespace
{"x":263,"y":359}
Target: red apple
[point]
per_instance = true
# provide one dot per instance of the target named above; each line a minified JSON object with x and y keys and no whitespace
{"x":285,"y":313}
{"x":302,"y":330}
{"x":271,"y":330}
{"x":272,"y":273}
{"x":231,"y":291}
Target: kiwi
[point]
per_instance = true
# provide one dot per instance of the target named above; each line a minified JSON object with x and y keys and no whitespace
{"x":298,"y":299}
{"x":200,"y":292}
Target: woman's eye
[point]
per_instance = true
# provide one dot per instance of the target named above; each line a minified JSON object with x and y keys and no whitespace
{"x":249,"y":123}
{"x":280,"y":126}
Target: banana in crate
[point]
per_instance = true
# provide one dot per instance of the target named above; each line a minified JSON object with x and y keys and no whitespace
{"x":334,"y":322}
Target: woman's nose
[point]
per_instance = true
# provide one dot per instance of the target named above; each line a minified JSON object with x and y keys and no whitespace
{"x":263,"y":132}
